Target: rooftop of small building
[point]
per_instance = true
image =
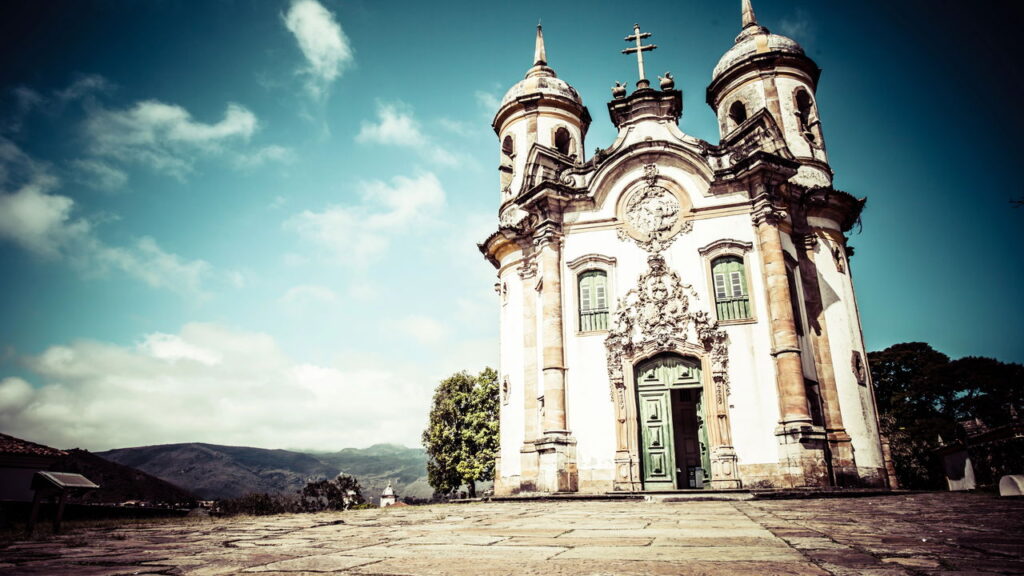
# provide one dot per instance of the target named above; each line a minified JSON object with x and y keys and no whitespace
{"x":12,"y":445}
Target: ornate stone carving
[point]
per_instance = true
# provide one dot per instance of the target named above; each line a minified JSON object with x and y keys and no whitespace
{"x":765,"y":211}
{"x":512,"y":217}
{"x":653,"y":216}
{"x":528,"y":269}
{"x":656,"y":314}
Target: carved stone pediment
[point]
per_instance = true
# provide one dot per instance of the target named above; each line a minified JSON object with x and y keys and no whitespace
{"x":656,"y":315}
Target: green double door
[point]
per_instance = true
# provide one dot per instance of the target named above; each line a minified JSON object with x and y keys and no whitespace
{"x":673,"y":438}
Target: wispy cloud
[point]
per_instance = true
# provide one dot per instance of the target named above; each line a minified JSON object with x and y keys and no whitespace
{"x":323,"y":43}
{"x":42,"y":222}
{"x":798,"y":26}
{"x":397,"y":126}
{"x":355,"y":233}
{"x":99,"y":395}
{"x":305,"y":297}
{"x":487,"y":101}
{"x":98,"y":174}
{"x":163,"y":136}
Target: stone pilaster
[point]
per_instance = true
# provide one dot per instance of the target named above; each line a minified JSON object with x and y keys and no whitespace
{"x":556,"y":447}
{"x":801,"y":445}
{"x":528,"y":453}
{"x":844,"y":467}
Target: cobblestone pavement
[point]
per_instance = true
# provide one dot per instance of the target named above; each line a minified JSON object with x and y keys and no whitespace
{"x":944,"y":533}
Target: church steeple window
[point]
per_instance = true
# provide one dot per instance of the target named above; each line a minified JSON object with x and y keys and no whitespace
{"x":593,"y":298}
{"x":737,"y":113}
{"x":730,"y":281}
{"x":563,"y":141}
{"x":806,"y":115}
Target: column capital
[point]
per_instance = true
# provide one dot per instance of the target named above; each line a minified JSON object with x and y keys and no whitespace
{"x":764,"y":211}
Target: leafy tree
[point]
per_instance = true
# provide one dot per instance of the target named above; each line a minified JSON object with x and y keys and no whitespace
{"x":922,"y":395}
{"x":461,"y":438}
{"x":341,"y":493}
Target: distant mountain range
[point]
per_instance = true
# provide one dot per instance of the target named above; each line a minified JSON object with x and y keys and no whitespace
{"x":119,"y":483}
{"x":217,"y":472}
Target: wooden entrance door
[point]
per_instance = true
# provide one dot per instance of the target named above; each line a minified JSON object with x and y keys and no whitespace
{"x":673,"y":442}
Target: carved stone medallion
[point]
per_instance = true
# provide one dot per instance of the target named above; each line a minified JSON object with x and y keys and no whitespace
{"x":652,"y":216}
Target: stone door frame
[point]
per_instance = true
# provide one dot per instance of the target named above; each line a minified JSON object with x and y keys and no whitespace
{"x":628,"y":457}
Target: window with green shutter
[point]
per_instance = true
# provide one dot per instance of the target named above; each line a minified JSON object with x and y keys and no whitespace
{"x":593,"y":294}
{"x":731,"y":298}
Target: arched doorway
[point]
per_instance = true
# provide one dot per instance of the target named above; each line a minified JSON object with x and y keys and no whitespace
{"x":674,"y":448}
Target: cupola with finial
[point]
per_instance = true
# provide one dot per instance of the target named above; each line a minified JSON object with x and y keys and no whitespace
{"x":541,"y":109}
{"x":771,"y":72}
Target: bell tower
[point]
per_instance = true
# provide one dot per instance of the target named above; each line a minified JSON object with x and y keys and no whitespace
{"x":540,"y":109}
{"x":765,"y":71}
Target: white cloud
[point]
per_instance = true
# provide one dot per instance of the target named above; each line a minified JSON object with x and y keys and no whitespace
{"x":487,"y":101}
{"x":84,"y":88}
{"x":322,"y":42}
{"x":308,"y":295}
{"x":354,"y":234}
{"x":162,"y":136}
{"x":171,"y":347}
{"x":272,"y":153}
{"x":396,"y":126}
{"x":798,"y":26}
{"x":424,"y":329}
{"x":210,"y":383}
{"x":99,"y":175}
{"x":40,"y":221}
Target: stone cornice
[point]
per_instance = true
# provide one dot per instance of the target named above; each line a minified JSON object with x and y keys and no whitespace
{"x":836,"y":205}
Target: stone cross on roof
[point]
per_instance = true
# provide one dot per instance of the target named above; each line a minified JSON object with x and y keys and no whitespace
{"x":637,"y":36}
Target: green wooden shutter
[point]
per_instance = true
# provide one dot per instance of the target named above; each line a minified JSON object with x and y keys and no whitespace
{"x":593,"y":291}
{"x":731,"y":300}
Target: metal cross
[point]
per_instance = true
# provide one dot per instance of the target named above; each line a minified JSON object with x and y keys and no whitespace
{"x":639,"y":49}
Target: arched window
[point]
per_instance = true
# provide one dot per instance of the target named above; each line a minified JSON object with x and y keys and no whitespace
{"x":805,"y":113}
{"x":507,"y":146}
{"x":563,"y":140}
{"x":737,"y":113}
{"x":731,"y":298}
{"x":593,"y":294}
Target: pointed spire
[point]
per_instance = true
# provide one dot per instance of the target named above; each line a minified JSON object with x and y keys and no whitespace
{"x":539,"y":57}
{"x":749,"y":19}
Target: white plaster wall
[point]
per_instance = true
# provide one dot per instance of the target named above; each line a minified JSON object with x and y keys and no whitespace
{"x":589,"y":410}
{"x":855,"y":400}
{"x":753,"y":397}
{"x":510,"y":364}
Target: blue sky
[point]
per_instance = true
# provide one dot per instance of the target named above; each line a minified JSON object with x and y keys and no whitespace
{"x":255,"y":222}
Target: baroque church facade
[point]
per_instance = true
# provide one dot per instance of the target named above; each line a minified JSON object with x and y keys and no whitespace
{"x":678,"y":314}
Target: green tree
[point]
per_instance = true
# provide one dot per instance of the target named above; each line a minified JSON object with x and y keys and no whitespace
{"x":341,"y":493}
{"x":922,"y":394}
{"x":461,"y":438}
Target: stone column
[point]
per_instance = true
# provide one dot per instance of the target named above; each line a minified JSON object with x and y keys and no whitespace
{"x":528,"y":453}
{"x":550,"y":250}
{"x":785,"y":344}
{"x":843,"y":465}
{"x":556,"y":447}
{"x":801,"y":446}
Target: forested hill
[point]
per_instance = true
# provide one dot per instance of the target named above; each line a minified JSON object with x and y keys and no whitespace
{"x":217,"y":472}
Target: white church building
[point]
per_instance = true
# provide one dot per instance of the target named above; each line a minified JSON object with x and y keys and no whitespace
{"x":678,"y":314}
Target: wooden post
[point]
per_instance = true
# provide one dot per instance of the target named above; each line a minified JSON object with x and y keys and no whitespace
{"x":59,"y":515}
{"x":34,"y":516}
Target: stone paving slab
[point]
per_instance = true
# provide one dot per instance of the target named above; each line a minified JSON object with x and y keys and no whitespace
{"x":947,"y":534}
